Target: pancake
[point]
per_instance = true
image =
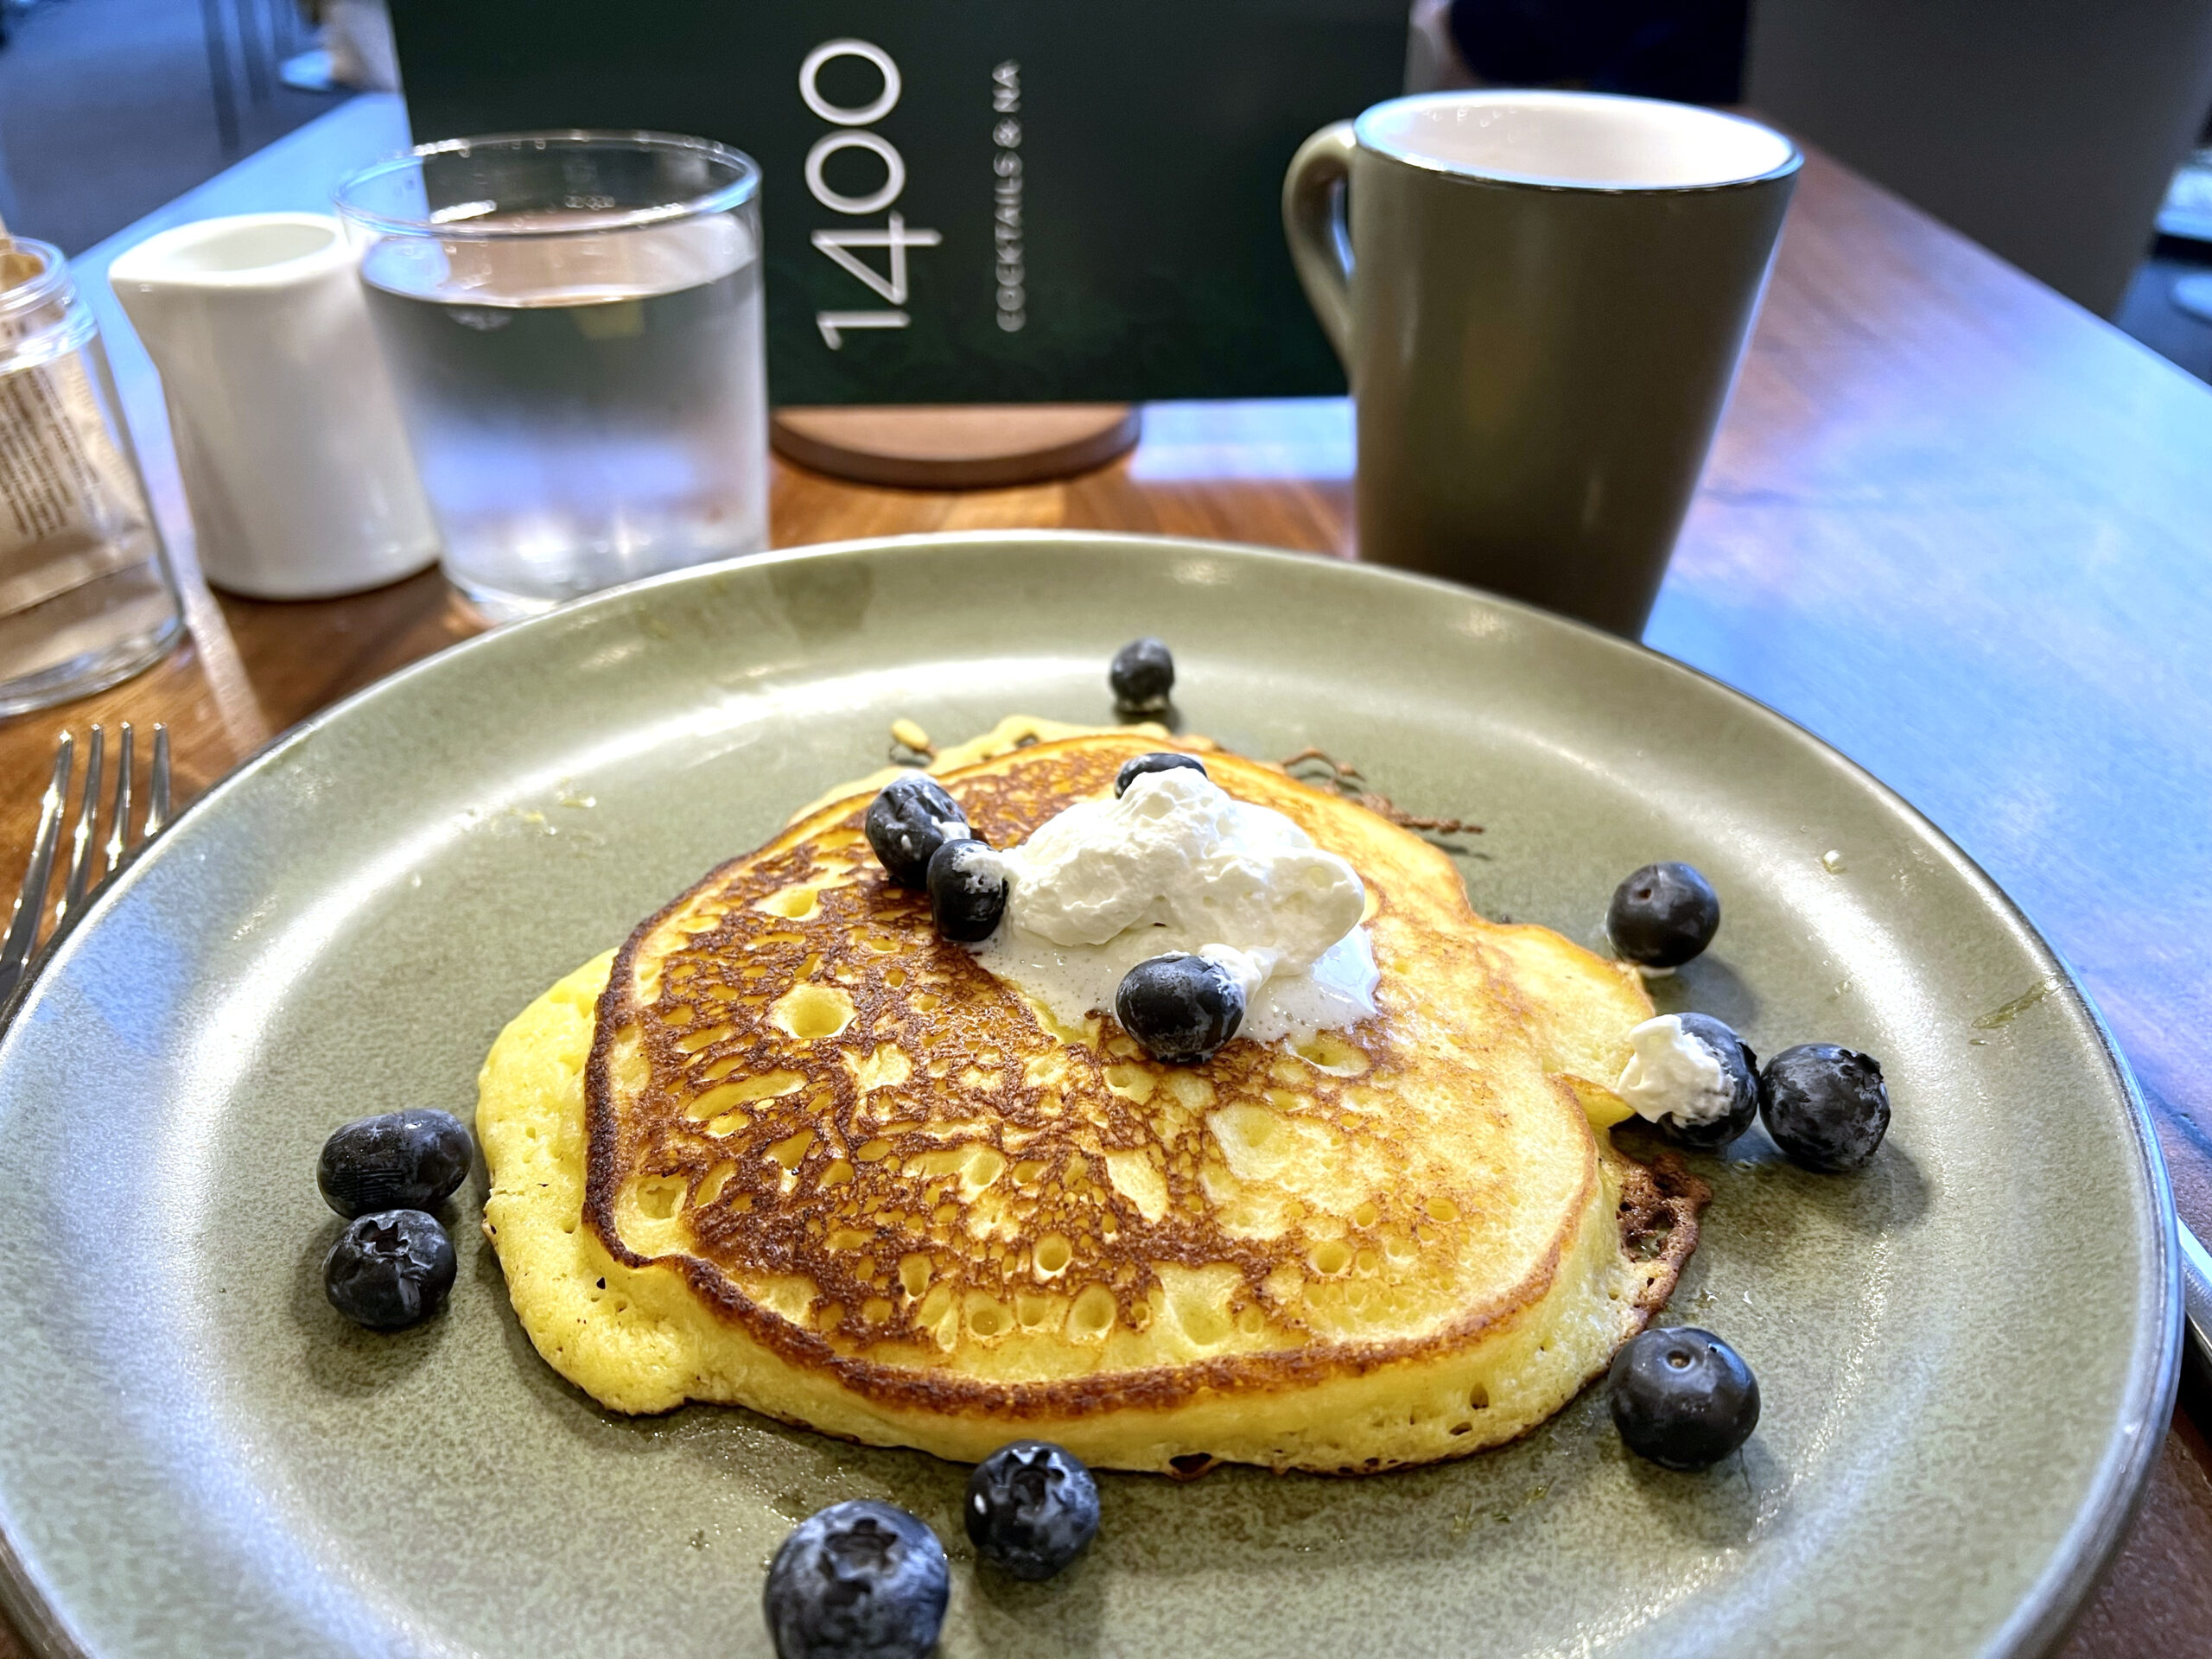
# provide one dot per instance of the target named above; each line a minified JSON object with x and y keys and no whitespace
{"x":789,"y":1149}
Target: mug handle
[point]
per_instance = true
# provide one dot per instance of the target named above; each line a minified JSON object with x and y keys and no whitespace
{"x":1320,"y":240}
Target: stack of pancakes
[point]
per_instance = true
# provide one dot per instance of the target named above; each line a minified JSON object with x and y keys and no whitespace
{"x":790,"y":1150}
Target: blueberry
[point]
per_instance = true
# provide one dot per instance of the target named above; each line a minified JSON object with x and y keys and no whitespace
{"x":1142,"y":675}
{"x":1663,"y":915}
{"x":1032,"y":1508}
{"x":968,"y":890}
{"x":1683,"y":1397}
{"x":1739,"y":1075}
{"x":1826,"y":1107}
{"x":1132,"y":770}
{"x":390,"y":1270}
{"x":397,"y":1160}
{"x":1180,"y":1007}
{"x":908,"y":822}
{"x":858,"y":1580}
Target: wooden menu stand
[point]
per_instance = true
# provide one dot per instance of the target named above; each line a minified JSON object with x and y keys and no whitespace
{"x":955,"y":446}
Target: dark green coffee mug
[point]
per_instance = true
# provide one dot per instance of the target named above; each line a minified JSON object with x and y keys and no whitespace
{"x":1540,"y":299}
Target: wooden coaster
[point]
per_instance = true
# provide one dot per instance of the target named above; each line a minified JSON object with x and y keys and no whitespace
{"x":956,"y":446}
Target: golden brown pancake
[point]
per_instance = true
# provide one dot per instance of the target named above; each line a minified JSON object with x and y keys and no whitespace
{"x":822,"y":1164}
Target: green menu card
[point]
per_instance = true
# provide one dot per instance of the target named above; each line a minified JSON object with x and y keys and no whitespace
{"x":967,"y":200}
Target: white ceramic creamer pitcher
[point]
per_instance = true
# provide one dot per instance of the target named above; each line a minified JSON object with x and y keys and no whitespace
{"x":294,"y":461}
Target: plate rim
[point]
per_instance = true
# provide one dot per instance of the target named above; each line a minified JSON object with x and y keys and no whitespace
{"x":2060,"y":1590}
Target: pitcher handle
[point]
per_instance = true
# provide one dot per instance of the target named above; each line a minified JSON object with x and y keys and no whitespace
{"x":1320,"y":239}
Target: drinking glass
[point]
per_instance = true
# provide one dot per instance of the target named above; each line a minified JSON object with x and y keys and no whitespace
{"x":86,"y":598}
{"x":572,"y":324}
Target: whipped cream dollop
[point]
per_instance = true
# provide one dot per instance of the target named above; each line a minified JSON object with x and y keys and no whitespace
{"x":1671,"y":1074}
{"x":1176,"y":864}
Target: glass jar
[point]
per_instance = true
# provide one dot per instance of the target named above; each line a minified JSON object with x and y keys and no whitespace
{"x":86,"y":596}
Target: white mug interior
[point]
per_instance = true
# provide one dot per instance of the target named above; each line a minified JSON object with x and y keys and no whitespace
{"x":1591,"y":141}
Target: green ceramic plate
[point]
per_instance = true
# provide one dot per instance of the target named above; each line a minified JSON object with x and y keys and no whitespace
{"x":1967,"y":1353}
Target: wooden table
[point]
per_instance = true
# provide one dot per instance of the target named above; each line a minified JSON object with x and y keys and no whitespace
{"x":1953,"y":524}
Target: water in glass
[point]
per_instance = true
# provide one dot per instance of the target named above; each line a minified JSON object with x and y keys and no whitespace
{"x":584,"y":410}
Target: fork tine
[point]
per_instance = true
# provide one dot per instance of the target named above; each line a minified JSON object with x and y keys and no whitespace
{"x":157,"y":787}
{"x":80,"y":839}
{"x":30,"y":903}
{"x":119,"y":825}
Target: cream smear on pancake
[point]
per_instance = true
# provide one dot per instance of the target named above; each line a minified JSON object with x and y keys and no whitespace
{"x":1176,"y":864}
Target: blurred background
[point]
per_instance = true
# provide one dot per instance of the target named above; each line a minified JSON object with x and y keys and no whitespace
{"x":109,"y":108}
{"x":2075,"y":141}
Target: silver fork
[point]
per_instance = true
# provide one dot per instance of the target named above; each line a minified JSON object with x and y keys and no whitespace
{"x":78,"y":886}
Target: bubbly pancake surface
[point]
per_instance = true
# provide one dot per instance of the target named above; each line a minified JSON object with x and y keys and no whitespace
{"x":822,"y":1164}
